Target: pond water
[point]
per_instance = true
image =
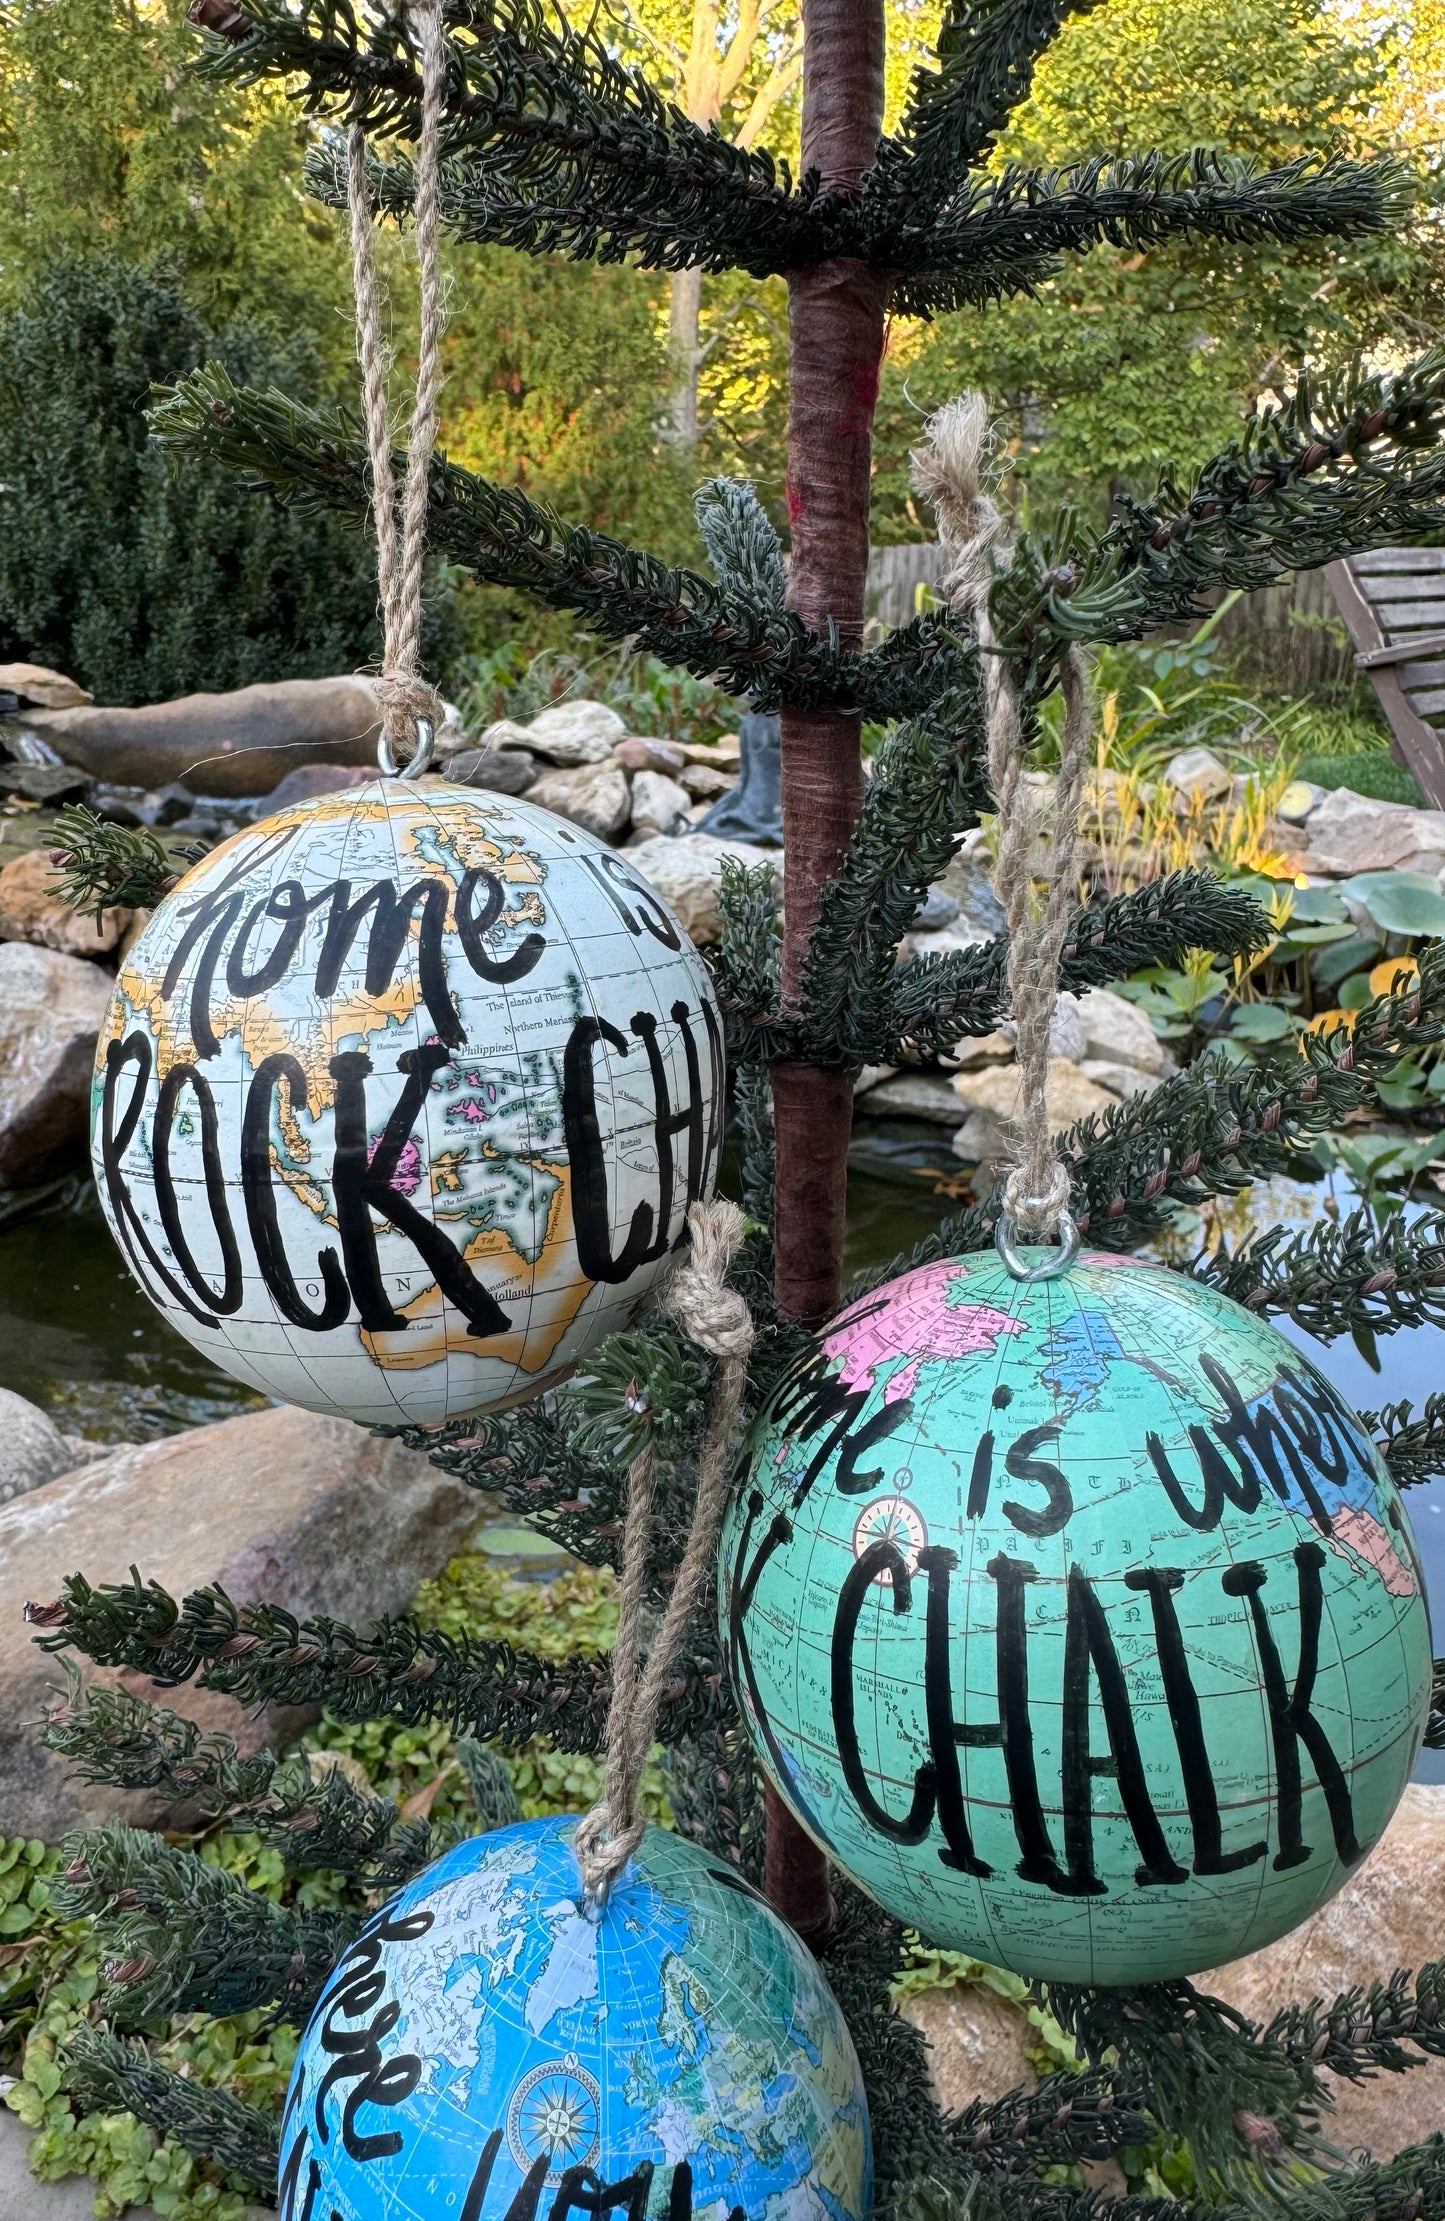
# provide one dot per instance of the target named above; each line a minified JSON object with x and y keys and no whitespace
{"x":78,"y":1338}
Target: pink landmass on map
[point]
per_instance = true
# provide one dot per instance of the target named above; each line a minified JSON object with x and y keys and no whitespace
{"x":1356,"y":1531}
{"x":407,"y":1177}
{"x":923,"y":1318}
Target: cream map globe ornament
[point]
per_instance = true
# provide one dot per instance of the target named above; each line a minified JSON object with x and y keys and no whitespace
{"x":401,"y":1100}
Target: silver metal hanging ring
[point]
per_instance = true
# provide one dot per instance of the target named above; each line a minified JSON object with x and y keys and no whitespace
{"x":1047,"y":1267}
{"x":420,"y":758}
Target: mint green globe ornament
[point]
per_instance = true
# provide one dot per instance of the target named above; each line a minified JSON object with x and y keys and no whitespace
{"x":1076,"y":1617}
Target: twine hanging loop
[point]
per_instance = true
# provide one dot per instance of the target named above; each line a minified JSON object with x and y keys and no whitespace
{"x":411,"y":709}
{"x":716,"y":1317}
{"x":951,"y":471}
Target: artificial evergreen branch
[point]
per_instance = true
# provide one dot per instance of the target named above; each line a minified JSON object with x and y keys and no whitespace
{"x":1213,"y":1129}
{"x":1000,"y":235}
{"x":987,"y":50}
{"x":99,"y":864}
{"x":925,"y":1006}
{"x":313,"y":462}
{"x":1065,"y":2118}
{"x":1204,"y":2063}
{"x":263,"y":1655}
{"x":715,"y":1799}
{"x":183,"y":1936}
{"x":936,"y":1001}
{"x":306,"y":1811}
{"x":104,"y":2075}
{"x":741,"y":539}
{"x":489,"y":1779}
{"x":1413,"y":1448}
{"x":1346,"y":463}
{"x":1390,"y":2027}
{"x":1409,"y":2187}
{"x":1340,"y":1275}
{"x":551,"y":143}
{"x":1435,"y":1726}
{"x":928,"y":786}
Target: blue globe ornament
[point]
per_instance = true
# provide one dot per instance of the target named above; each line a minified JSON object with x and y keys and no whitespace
{"x":492,"y":2049}
{"x":1078,"y":1619}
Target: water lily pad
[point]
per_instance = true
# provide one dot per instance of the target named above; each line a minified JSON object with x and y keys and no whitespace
{"x":1399,"y":901}
{"x":1261,"y":1022}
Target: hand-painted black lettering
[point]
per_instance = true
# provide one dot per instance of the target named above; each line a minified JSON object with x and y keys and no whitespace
{"x":481,"y":2177}
{"x":743,"y":1579}
{"x":473,"y":928}
{"x":1160,"y":1583}
{"x":1291,"y":1720}
{"x":1087,"y":1641}
{"x":1038,"y":1861}
{"x":588,"y":1163}
{"x":362,"y":1183}
{"x":524,"y":2199}
{"x":390,"y":927}
{"x":633,"y":900}
{"x":980,"y":1479}
{"x":115,"y":1138}
{"x":885,"y":1421}
{"x":228,"y":1297}
{"x":259,"y":1195}
{"x":212,"y":917}
{"x":1261,"y":1443}
{"x":1022,"y":1465}
{"x":883,"y":1559}
{"x":289,"y":904}
{"x":582,"y":2191}
{"x":938,"y":1565}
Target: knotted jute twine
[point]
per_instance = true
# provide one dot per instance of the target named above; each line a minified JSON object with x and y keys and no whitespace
{"x":951,"y":471}
{"x":716,"y":1317}
{"x":407,"y":700}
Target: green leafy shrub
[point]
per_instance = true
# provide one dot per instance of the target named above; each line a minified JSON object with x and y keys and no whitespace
{"x":142,"y":581}
{"x":1373,"y":773}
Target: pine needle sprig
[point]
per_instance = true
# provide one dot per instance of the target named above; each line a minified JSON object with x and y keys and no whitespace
{"x":528,"y":1458}
{"x":314,"y":462}
{"x":1001,"y":235}
{"x":1339,"y":1275}
{"x":551,"y":143}
{"x":987,"y":50}
{"x":1388,"y":2028}
{"x":306,"y":1811}
{"x":264,"y":1655}
{"x":102,"y":2074}
{"x":936,"y":1001}
{"x":100,"y":866}
{"x":1249,"y":2103}
{"x":1354,"y":461}
{"x":1413,"y":1448}
{"x":180,"y":1935}
{"x":1213,"y":1129}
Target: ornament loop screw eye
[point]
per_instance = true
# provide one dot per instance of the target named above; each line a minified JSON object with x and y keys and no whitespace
{"x":421,"y":756}
{"x":1047,"y":1267}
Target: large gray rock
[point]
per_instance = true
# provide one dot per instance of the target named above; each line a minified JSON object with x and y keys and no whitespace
{"x":1389,"y":1914}
{"x":33,"y":909}
{"x":595,"y":796}
{"x":32,"y":1448}
{"x":1118,"y":1030}
{"x":51,"y":1007}
{"x":659,"y":803}
{"x":287,"y":1505}
{"x":239,"y":743}
{"x":687,"y":873}
{"x":1352,"y":832}
{"x":568,"y":734}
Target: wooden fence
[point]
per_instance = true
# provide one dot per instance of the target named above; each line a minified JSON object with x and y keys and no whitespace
{"x":1287,"y":638}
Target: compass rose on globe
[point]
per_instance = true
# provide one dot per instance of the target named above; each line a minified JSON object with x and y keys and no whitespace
{"x":555,"y":2111}
{"x":892,"y":1519}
